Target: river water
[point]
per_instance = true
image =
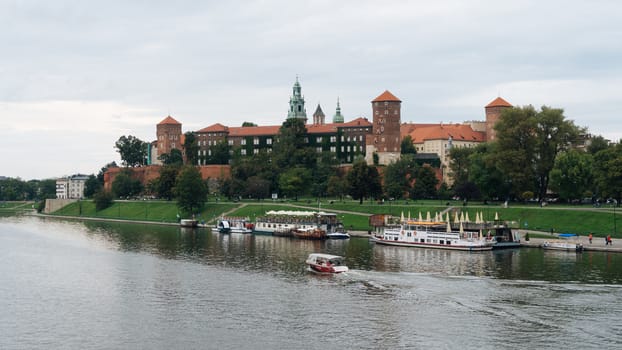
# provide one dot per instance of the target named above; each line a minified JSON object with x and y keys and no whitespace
{"x":87,"y":285}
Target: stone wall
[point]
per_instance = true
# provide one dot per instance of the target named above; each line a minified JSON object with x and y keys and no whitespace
{"x":52,"y":205}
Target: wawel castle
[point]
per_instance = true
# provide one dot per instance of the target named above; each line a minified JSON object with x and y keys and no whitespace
{"x":347,"y":140}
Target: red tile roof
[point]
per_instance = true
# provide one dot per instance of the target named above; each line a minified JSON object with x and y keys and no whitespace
{"x":360,"y":121}
{"x":458,"y":132}
{"x":386,"y":96}
{"x":169,"y":120}
{"x":499,"y":102}
{"x":241,"y":131}
{"x":214,"y":128}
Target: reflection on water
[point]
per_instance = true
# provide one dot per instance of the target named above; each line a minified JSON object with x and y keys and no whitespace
{"x":162,"y":287}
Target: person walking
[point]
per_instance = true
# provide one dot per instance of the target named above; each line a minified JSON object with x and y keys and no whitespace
{"x":590,"y":237}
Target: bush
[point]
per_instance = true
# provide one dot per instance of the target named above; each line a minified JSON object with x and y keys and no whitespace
{"x":102,"y":200}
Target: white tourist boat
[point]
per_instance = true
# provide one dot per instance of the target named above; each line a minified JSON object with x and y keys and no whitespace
{"x":565,"y":243}
{"x":430,"y":234}
{"x":284,"y":222}
{"x":326,"y":263}
{"x":234,"y":225}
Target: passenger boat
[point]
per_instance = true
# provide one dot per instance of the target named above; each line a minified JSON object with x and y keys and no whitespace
{"x":338,"y":235}
{"x":234,"y":225}
{"x":284,"y":222}
{"x":326,"y":263}
{"x":430,"y":234}
{"x":565,"y":243}
{"x":309,"y":233}
{"x":188,"y":223}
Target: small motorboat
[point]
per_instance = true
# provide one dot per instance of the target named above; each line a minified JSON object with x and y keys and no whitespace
{"x":568,"y":242}
{"x":326,"y":263}
{"x":338,"y":235}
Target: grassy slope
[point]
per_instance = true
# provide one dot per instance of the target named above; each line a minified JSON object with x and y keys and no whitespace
{"x":579,"y":220}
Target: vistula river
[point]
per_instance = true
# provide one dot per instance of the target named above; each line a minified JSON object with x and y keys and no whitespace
{"x":94,"y":285}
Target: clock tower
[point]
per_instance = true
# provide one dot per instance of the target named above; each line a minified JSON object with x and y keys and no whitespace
{"x":385,"y":141}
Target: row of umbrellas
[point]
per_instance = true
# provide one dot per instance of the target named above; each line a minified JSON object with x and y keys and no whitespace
{"x":479,"y":217}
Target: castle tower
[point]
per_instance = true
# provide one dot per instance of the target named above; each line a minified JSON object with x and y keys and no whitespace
{"x":493,"y":112}
{"x":338,"y":118}
{"x":318,"y":116}
{"x":168,"y":133}
{"x":297,"y":103}
{"x":385,"y":141}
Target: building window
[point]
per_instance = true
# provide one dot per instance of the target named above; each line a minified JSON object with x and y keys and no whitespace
{"x":243,"y":152}
{"x":269,"y":141}
{"x":318,"y":139}
{"x":243,"y":142}
{"x":333,"y":139}
{"x":333,"y":149}
{"x":386,"y":111}
{"x":256,"y":150}
{"x":318,"y":149}
{"x":256,"y":141}
{"x":230,"y":142}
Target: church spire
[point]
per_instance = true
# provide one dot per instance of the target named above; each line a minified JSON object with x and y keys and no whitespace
{"x":338,"y":118}
{"x":297,"y":103}
{"x":318,"y":116}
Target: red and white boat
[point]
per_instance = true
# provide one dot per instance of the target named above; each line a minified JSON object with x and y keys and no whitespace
{"x":326,"y":263}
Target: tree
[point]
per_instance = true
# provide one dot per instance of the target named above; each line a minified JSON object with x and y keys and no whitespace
{"x":124,"y":186}
{"x":485,"y":174}
{"x":363,"y":181}
{"x":102,"y":200}
{"x":190,"y":190}
{"x":290,"y":148}
{"x":597,"y":143}
{"x":425,"y":183}
{"x":166,"y":181}
{"x":572,"y":176}
{"x":293,"y":181}
{"x":337,"y":186}
{"x":459,"y":163}
{"x":219,"y":154}
{"x":247,"y":124}
{"x":91,"y":186}
{"x":554,"y":135}
{"x":398,"y":177}
{"x":173,"y":158}
{"x":608,"y":171}
{"x":257,"y":187}
{"x":516,"y":144}
{"x":407,"y":146}
{"x":132,"y":150}
{"x":191,"y":146}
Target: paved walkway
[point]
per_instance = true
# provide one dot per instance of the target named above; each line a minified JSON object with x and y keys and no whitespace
{"x":598,"y":243}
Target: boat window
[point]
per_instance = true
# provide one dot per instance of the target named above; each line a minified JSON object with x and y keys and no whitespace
{"x":442,"y":242}
{"x":448,"y":242}
{"x":409,"y":234}
{"x":422,"y":240}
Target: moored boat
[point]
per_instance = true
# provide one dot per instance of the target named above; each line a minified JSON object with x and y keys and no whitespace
{"x":326,"y":263}
{"x":338,"y":235}
{"x":188,"y":223}
{"x":309,"y":233}
{"x":430,"y":234}
{"x":234,"y":225}
{"x":284,"y":222}
{"x":565,"y":243}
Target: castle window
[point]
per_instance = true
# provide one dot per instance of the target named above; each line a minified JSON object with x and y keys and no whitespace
{"x":256,"y":150}
{"x":256,"y":141}
{"x":386,"y":111}
{"x":243,"y":142}
{"x":386,"y":103}
{"x":318,"y":139}
{"x":243,"y":152}
{"x":269,"y":141}
{"x":230,"y":142}
{"x":333,"y":139}
{"x":333,"y":149}
{"x":318,"y":149}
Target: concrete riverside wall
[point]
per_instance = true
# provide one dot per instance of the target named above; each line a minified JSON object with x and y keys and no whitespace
{"x":52,"y":205}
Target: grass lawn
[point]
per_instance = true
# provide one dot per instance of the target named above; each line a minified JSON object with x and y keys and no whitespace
{"x":571,"y":219}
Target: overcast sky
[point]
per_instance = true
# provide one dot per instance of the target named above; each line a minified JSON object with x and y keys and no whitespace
{"x":77,"y":75}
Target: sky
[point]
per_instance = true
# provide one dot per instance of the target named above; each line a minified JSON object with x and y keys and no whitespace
{"x":77,"y":75}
